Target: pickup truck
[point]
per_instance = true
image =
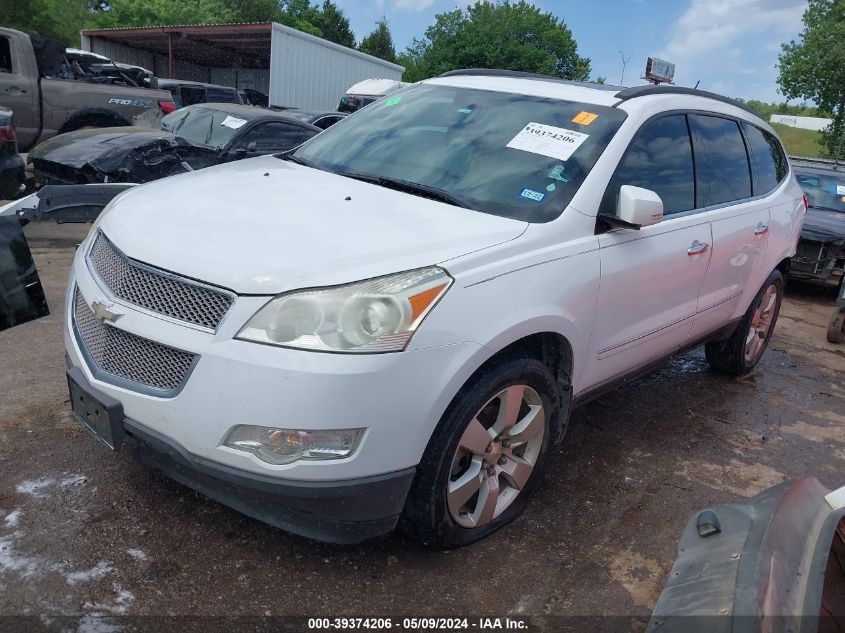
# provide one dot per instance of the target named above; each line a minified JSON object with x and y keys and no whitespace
{"x":51,"y":92}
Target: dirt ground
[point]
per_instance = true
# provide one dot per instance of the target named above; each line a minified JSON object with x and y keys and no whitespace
{"x":84,"y":531}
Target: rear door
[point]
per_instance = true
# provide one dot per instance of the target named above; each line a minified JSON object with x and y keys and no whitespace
{"x":739,"y":218}
{"x":650,"y":278}
{"x":19,"y":87}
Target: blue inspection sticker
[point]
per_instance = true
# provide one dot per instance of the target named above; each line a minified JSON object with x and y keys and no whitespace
{"x":530,"y":194}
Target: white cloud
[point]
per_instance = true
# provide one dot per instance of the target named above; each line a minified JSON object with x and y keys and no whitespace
{"x":413,"y":5}
{"x":712,"y":40}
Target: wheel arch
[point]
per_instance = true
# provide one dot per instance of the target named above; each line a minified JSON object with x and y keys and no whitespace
{"x":95,"y":117}
{"x":551,"y":348}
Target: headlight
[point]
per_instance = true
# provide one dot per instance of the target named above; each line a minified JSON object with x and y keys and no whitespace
{"x":378,"y":315}
{"x":285,"y":446}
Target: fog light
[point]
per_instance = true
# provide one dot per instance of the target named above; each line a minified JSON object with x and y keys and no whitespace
{"x":285,"y":446}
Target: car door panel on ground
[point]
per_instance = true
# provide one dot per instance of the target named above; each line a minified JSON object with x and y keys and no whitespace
{"x":650,"y":278}
{"x":736,"y":171}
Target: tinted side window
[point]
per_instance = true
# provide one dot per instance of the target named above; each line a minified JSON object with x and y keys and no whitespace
{"x":5,"y":55}
{"x":274,"y":137}
{"x":721,"y":161}
{"x":767,"y":157}
{"x":781,"y":162}
{"x":192,"y":95}
{"x":222,"y":95}
{"x":660,"y":159}
{"x":327,"y":121}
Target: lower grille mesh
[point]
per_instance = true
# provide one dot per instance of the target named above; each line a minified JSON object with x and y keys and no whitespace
{"x":129,"y":356}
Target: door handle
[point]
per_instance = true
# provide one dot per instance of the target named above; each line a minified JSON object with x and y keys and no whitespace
{"x":15,"y":91}
{"x":761,"y":229}
{"x":697,"y":248}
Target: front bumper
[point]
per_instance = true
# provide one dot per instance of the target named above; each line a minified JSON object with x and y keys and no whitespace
{"x":344,"y":512}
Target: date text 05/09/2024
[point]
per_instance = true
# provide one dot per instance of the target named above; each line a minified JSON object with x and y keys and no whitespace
{"x":481,"y":624}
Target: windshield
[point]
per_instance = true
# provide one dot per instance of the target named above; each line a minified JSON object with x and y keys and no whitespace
{"x":507,"y":154}
{"x":203,"y":126}
{"x":825,"y":190}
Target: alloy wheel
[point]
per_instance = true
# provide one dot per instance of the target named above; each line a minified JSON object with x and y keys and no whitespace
{"x":761,"y":324}
{"x":496,"y":456}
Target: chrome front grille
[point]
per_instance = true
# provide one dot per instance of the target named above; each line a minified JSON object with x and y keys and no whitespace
{"x":157,"y":290}
{"x":126,"y":356}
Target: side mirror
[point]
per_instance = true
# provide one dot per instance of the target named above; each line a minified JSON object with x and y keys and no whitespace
{"x":639,"y":207}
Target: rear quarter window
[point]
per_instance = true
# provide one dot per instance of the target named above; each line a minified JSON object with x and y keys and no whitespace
{"x":769,"y":162}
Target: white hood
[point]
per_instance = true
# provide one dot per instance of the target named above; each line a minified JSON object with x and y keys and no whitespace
{"x":265,"y":226}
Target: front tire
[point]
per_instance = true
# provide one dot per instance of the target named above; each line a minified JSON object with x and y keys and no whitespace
{"x":740,"y":353}
{"x":486,"y":454}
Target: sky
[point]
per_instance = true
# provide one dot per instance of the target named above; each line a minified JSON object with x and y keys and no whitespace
{"x":729,"y":46}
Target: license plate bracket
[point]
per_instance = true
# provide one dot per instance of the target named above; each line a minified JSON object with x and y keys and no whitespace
{"x":98,"y":412}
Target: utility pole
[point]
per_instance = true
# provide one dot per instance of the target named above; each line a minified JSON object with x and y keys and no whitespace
{"x":624,"y":63}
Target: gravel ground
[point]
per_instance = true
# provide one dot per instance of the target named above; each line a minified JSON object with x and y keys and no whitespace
{"x":86,"y":532}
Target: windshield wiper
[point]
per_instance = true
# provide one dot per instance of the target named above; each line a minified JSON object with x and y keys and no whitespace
{"x":415,"y":188}
{"x":292,"y":157}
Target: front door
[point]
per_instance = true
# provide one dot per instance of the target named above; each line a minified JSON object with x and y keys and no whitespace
{"x":650,"y":278}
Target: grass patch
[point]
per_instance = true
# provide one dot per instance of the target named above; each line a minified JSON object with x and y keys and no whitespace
{"x":800,"y":142}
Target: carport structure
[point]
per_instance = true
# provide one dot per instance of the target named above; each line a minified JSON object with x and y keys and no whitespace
{"x":236,"y":55}
{"x":210,"y":45}
{"x":294,"y":68}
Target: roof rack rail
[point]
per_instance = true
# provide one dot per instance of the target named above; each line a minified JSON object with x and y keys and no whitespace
{"x":517,"y":74}
{"x":643,"y":91}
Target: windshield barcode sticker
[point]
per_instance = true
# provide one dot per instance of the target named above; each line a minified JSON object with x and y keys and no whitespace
{"x":547,"y":140}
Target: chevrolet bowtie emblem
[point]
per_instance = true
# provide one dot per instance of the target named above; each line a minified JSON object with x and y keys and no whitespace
{"x":103,"y":313}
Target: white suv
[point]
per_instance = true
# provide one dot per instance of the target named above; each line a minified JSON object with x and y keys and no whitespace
{"x":396,"y":319}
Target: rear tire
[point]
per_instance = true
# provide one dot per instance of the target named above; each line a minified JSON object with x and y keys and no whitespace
{"x":740,"y":353}
{"x":836,"y":327}
{"x":484,"y":458}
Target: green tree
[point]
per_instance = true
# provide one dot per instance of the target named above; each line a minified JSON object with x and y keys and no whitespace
{"x":254,"y":10}
{"x":334,"y":25}
{"x":60,"y":19}
{"x":379,"y":43}
{"x":126,"y":13}
{"x":509,"y":35}
{"x":814,"y":67}
{"x":301,"y":15}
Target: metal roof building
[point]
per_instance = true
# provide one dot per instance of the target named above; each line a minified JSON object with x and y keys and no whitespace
{"x":294,"y":68}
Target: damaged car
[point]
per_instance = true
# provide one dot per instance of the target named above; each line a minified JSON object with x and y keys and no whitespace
{"x":821,"y":251}
{"x":191,"y":138}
